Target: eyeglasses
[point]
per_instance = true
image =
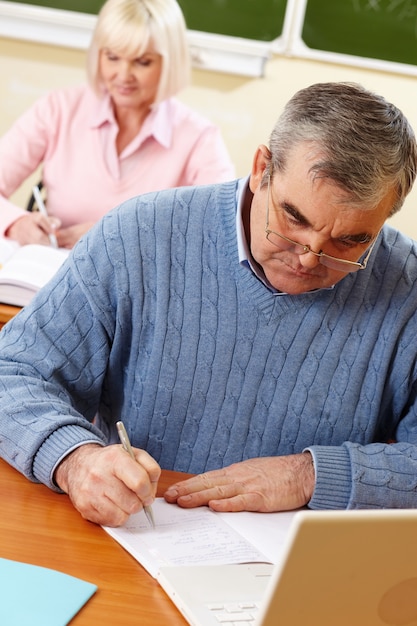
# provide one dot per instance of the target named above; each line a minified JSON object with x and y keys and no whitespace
{"x":332,"y":262}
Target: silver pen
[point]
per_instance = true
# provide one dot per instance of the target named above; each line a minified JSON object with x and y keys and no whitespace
{"x":124,"y":439}
{"x":42,"y":209}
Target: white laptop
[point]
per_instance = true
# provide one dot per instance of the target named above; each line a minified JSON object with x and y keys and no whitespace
{"x":339,"y":568}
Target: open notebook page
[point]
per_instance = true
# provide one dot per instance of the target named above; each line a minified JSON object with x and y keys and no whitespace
{"x":201,"y":536}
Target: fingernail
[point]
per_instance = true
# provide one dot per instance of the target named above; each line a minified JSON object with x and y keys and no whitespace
{"x":185,"y":498}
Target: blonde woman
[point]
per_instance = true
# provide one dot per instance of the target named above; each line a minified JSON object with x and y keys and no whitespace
{"x":123,"y":133}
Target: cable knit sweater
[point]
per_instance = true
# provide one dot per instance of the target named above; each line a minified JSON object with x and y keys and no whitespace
{"x":153,"y":321}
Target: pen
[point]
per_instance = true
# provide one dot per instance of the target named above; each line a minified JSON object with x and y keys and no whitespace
{"x":124,"y":439}
{"x":42,"y":209}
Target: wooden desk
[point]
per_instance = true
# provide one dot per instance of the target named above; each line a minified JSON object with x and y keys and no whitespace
{"x":41,"y":527}
{"x":7,"y":312}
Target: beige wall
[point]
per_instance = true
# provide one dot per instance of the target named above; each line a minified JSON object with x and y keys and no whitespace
{"x":244,"y":108}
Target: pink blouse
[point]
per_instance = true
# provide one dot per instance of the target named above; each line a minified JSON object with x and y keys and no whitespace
{"x":73,"y":135}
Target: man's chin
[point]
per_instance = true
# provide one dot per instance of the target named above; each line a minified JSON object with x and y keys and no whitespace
{"x":299,"y":285}
{"x":295,"y":281}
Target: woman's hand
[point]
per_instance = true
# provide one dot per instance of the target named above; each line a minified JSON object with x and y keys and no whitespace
{"x":33,"y":228}
{"x":68,"y":237}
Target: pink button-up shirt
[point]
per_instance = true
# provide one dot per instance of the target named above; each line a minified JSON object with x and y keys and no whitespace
{"x":73,"y":135}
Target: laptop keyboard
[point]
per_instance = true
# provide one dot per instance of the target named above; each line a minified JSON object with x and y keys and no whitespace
{"x":236,"y":614}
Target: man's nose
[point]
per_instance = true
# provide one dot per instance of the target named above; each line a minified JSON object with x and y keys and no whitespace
{"x":309,"y":260}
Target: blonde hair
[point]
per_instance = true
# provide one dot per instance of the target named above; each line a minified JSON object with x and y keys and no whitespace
{"x":127,"y":27}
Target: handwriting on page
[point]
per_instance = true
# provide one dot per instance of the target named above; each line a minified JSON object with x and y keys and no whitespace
{"x":183,"y":537}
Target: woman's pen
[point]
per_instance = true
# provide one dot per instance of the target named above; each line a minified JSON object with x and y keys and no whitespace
{"x":123,"y":436}
{"x":42,"y":209}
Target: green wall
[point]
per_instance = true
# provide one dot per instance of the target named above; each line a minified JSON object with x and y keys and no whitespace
{"x":377,"y":29}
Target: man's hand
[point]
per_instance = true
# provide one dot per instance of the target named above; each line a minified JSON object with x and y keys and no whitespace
{"x":263,"y":484}
{"x":105,"y":485}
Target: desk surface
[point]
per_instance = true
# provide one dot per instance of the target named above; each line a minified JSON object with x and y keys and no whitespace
{"x":41,"y":527}
{"x":7,"y":311}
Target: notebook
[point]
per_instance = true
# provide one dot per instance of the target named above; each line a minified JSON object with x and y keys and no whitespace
{"x":199,"y":536}
{"x":26,"y":269}
{"x":339,"y":568}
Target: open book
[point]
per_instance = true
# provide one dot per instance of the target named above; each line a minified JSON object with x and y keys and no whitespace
{"x":25,"y":269}
{"x":202,"y":537}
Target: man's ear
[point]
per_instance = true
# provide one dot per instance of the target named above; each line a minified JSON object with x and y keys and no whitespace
{"x":261,"y":162}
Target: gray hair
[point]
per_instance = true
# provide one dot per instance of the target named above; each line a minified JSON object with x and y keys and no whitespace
{"x":127,"y":27}
{"x":364,"y":143}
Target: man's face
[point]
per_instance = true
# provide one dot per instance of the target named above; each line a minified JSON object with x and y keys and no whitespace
{"x":311,"y":212}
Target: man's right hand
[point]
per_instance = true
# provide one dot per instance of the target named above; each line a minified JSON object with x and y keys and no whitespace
{"x":105,"y":485}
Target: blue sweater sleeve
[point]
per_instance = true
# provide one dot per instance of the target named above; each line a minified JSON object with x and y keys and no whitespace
{"x":50,"y":389}
{"x":333,"y":477}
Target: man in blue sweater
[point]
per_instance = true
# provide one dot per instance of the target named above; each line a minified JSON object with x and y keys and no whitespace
{"x":260,"y":334}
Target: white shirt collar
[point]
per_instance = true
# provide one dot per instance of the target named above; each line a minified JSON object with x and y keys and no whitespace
{"x":245,"y":256}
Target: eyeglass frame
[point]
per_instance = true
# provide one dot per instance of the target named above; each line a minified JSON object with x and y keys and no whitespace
{"x":305,"y":248}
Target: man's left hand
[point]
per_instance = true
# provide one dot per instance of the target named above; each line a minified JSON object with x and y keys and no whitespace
{"x":266,"y":484}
